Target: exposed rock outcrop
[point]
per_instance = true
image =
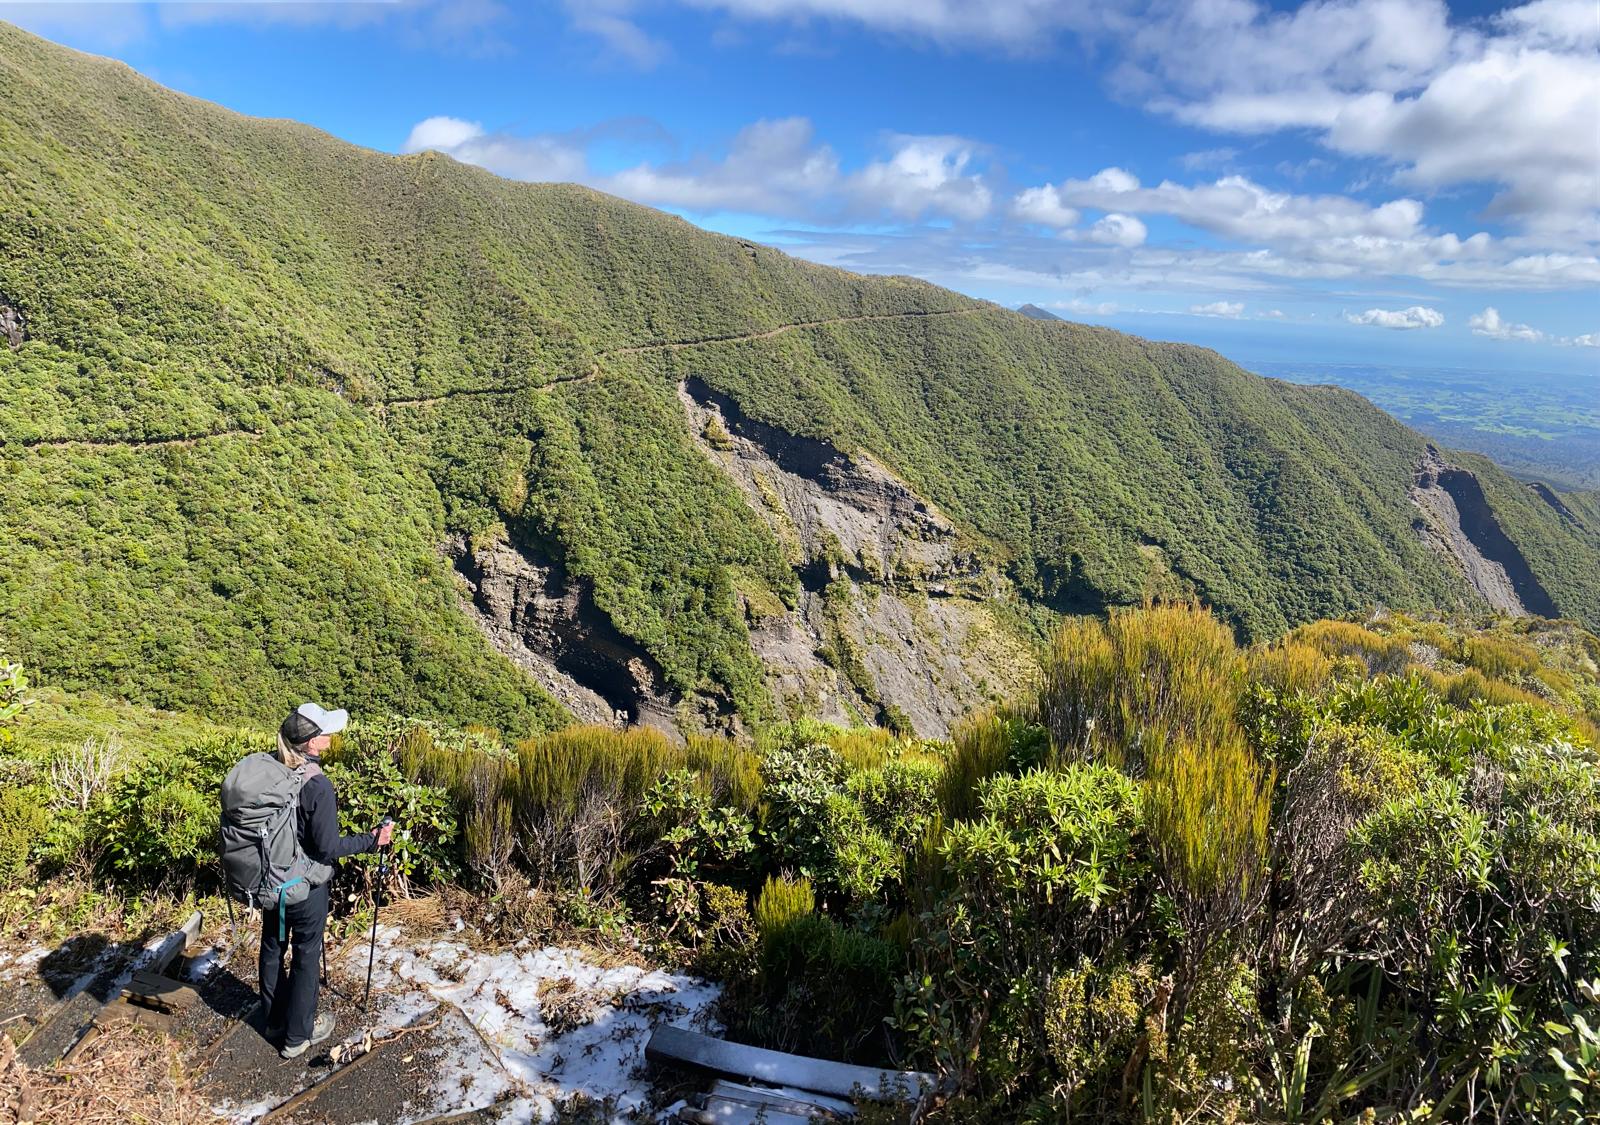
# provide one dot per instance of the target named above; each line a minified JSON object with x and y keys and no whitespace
{"x":895,"y":621}
{"x":11,"y":325}
{"x":549,"y":626}
{"x":1457,"y":520}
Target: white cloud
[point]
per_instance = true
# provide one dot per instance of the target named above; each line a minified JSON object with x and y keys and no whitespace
{"x":1415,"y":317}
{"x":1491,"y":324}
{"x":1086,"y":308}
{"x":1510,"y":105}
{"x":1294,"y":235}
{"x":771,"y":167}
{"x":442,"y":133}
{"x":1233,"y":206}
{"x":540,"y":158}
{"x":609,"y":21}
{"x":1042,"y":205}
{"x":1271,"y":314}
{"x":1229,"y":309}
{"x":925,"y":174}
{"x":1014,"y":24}
{"x":1118,"y":230}
{"x":1570,"y":24}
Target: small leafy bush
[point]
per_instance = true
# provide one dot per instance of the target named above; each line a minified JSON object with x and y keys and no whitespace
{"x":23,"y":820}
{"x":989,"y":743}
{"x":371,"y":786}
{"x":1055,"y":868}
{"x":825,"y":985}
{"x":815,"y":828}
{"x":781,"y":901}
{"x":13,"y":697}
{"x":158,"y":821}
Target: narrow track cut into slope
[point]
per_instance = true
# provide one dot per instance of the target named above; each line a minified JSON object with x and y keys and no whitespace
{"x":476,"y":392}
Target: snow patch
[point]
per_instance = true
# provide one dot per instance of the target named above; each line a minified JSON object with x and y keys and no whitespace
{"x":22,"y":963}
{"x":553,"y":1024}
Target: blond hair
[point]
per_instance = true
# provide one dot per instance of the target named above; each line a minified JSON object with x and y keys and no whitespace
{"x":288,"y":755}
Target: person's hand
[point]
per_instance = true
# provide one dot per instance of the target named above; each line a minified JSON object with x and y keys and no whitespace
{"x":385,"y":833}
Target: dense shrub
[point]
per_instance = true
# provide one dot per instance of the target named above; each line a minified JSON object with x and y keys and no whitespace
{"x":23,"y":821}
{"x":989,"y":743}
{"x":824,"y":986}
{"x":578,"y":798}
{"x":1330,"y":887}
{"x":370,"y":787}
{"x":1054,"y":869}
{"x":781,"y":901}
{"x":1168,"y":671}
{"x":1379,"y":655}
{"x":158,"y":822}
{"x":815,"y":828}
{"x":13,"y":697}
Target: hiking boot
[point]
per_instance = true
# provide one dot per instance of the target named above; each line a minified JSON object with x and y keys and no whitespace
{"x":321,"y":1028}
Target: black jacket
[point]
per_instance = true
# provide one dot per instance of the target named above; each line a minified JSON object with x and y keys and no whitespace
{"x":319,"y":824}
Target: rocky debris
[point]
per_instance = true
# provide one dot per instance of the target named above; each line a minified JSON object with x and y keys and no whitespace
{"x":1456,"y":520}
{"x":894,"y":607}
{"x":11,"y":325}
{"x":549,"y":626}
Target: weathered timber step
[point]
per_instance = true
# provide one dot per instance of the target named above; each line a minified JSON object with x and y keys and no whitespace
{"x":152,"y":990}
{"x":71,"y":1018}
{"x":721,"y":1111}
{"x":785,"y":1098}
{"x":677,"y":1046}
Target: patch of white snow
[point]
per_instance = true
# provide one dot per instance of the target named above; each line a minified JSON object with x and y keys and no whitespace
{"x":560,"y":1024}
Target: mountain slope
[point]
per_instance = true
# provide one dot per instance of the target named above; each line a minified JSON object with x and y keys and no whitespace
{"x":283,"y":416}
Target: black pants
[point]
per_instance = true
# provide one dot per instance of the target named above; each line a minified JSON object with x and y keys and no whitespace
{"x":291,"y":1003}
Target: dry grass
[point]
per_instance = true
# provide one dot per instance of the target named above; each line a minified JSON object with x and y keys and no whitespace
{"x":128,"y":1076}
{"x":421,"y":914}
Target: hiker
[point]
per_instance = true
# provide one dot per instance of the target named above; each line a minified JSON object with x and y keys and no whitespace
{"x":280,"y":847}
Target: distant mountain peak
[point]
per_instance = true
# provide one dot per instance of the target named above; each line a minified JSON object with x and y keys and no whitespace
{"x":1034,"y":312}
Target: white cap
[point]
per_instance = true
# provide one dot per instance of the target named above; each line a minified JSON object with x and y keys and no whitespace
{"x":328,"y":722}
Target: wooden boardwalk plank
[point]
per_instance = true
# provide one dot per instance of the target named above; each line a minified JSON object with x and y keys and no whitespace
{"x":737,"y":1060}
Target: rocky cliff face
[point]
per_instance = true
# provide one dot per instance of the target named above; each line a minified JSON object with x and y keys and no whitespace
{"x":895,"y":621}
{"x":550,"y":627}
{"x":11,"y":325}
{"x":1455,"y":519}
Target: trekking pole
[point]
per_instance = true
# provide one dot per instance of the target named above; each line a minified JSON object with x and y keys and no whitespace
{"x":377,"y":900}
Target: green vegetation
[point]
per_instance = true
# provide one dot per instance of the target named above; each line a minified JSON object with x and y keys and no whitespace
{"x":1355,"y":871}
{"x":265,"y":374}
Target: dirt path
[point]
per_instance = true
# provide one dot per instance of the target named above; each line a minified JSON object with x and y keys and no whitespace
{"x":665,"y":346}
{"x":589,"y":376}
{"x":678,"y":345}
{"x":183,"y":441}
{"x":483,"y":392}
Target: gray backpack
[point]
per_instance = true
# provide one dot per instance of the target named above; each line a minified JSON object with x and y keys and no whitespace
{"x":263,"y":864}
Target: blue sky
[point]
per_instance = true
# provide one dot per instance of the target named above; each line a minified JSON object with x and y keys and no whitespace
{"x":1338,"y":180}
